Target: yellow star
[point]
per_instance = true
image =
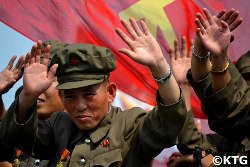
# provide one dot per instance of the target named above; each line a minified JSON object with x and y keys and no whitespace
{"x":154,"y":16}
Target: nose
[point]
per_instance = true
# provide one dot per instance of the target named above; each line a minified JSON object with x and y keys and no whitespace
{"x":81,"y":104}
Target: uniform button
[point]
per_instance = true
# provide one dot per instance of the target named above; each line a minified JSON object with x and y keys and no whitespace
{"x":82,"y":161}
{"x":87,"y":140}
{"x":37,"y":162}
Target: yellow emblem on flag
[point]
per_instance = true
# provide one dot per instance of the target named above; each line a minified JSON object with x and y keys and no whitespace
{"x":154,"y":16}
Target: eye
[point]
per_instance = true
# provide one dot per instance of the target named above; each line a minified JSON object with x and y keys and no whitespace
{"x":69,"y":97}
{"x":88,"y":94}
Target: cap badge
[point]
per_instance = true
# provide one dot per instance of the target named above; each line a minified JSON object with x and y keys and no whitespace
{"x":74,"y":61}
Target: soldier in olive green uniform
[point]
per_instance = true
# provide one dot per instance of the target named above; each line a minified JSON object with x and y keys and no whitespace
{"x":50,"y":102}
{"x":92,"y":130}
{"x":223,"y":92}
{"x":8,"y":77}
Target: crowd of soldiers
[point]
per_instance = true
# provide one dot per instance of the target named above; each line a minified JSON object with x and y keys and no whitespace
{"x":63,"y":115}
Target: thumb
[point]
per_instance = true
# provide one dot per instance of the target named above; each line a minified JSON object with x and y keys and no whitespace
{"x":52,"y":72}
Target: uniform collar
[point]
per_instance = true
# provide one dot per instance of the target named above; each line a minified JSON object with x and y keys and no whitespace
{"x":102,"y":129}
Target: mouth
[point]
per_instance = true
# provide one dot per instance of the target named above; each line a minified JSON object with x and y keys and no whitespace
{"x":83,"y":118}
{"x":40,"y":101}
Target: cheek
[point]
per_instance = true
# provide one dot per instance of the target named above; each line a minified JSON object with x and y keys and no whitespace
{"x":69,"y":106}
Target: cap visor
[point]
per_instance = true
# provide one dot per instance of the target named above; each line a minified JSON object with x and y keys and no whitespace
{"x":78,"y":84}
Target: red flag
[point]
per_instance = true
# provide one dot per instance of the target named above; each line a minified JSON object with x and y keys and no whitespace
{"x":94,"y":22}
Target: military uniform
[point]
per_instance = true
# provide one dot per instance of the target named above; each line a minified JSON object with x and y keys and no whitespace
{"x":9,"y":151}
{"x":134,"y":137}
{"x":6,"y":152}
{"x":189,"y":137}
{"x":227,"y":110}
{"x":123,"y":138}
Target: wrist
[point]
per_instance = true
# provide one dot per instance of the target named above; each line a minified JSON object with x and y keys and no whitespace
{"x":219,"y":68}
{"x":165,"y":77}
{"x":160,"y":69}
{"x":199,"y":48}
{"x":200,"y":55}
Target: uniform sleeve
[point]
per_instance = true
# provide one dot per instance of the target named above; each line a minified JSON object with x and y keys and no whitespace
{"x":20,"y":135}
{"x":190,"y":137}
{"x":25,"y":136}
{"x":159,"y":128}
{"x":229,"y":111}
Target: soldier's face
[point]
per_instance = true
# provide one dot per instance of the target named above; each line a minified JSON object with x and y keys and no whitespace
{"x":49,"y":102}
{"x":87,"y":106}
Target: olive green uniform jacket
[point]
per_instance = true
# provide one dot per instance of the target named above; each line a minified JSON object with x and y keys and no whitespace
{"x":228,"y":109}
{"x":124,"y":138}
{"x":189,"y":137}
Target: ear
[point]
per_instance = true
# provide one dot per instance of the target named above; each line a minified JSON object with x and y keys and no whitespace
{"x":111,"y":91}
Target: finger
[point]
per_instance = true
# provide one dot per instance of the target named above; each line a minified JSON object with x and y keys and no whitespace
{"x":124,"y":37}
{"x":199,"y":25}
{"x":202,"y":22}
{"x":19,"y":63}
{"x":208,"y":16}
{"x":221,"y":13}
{"x":199,"y":34}
{"x":145,"y":28}
{"x":38,"y":51}
{"x":176,"y":49}
{"x":224,"y":26}
{"x":176,"y":154}
{"x":27,"y":60}
{"x":232,"y":18}
{"x":235,"y":24}
{"x":11,"y":62}
{"x":33,"y":54}
{"x":128,"y":52}
{"x":46,"y":55}
{"x":136,"y":27}
{"x":227,"y":15}
{"x":171,"y":55}
{"x":129,"y":29}
{"x":184,"y":46}
{"x":52,"y":72}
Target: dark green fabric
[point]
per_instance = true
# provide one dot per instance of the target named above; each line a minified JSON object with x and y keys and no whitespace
{"x":243,"y":63}
{"x":81,"y":65}
{"x":135,"y":137}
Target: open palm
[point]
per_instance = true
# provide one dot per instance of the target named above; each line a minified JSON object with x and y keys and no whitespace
{"x":36,"y":78}
{"x":144,"y":48}
{"x":10,"y":75}
{"x":214,"y":33}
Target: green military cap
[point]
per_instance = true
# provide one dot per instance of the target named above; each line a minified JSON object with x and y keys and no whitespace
{"x":81,"y":65}
{"x":55,"y":46}
{"x":243,"y":64}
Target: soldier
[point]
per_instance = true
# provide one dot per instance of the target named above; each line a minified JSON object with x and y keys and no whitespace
{"x":223,"y":92}
{"x":243,"y":65}
{"x":92,"y":130}
{"x":47,"y":103}
{"x":8,"y":77}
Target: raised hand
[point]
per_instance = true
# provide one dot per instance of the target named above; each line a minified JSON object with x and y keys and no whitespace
{"x":144,"y":48}
{"x":36,"y":77}
{"x":180,"y":60}
{"x":10,"y":75}
{"x":231,"y":17}
{"x":215,"y":38}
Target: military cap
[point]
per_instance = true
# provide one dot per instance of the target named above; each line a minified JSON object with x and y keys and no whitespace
{"x":55,"y":46}
{"x":243,"y":64}
{"x":81,"y":65}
